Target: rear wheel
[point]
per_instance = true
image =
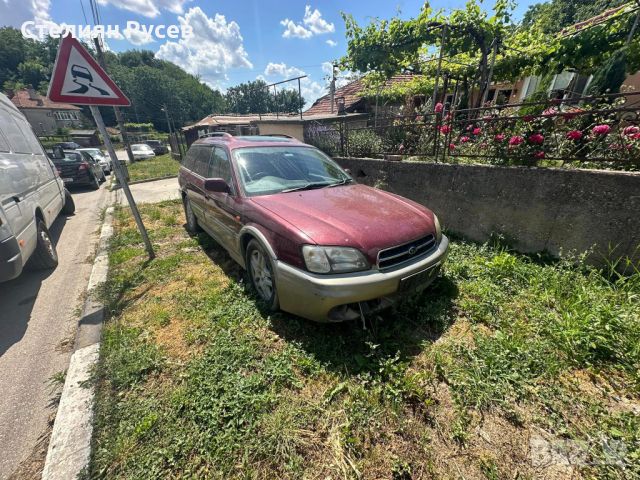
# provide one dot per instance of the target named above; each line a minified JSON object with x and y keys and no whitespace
{"x":69,"y":205}
{"x":262,"y":275}
{"x":192,"y":221}
{"x":45,"y":255}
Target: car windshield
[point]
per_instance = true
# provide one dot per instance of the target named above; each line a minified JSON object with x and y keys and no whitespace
{"x":268,"y":170}
{"x":140,"y":147}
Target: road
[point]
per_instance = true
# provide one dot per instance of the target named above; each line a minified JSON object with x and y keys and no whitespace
{"x":39,"y":313}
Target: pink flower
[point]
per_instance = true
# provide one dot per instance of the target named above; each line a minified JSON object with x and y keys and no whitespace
{"x":528,"y":118}
{"x":539,"y":154}
{"x":572,"y":113}
{"x":438,"y":108}
{"x":445,"y":129}
{"x":419,"y":118}
{"x":635,"y":136}
{"x":401,"y":148}
{"x":549,"y":112}
{"x":452,"y":146}
{"x":500,"y":137}
{"x":477,"y":131}
{"x":630,"y":130}
{"x":536,"y":139}
{"x":601,"y":129}
{"x":516,"y":140}
{"x":464,"y":139}
{"x":574,"y":135}
{"x":469,"y":128}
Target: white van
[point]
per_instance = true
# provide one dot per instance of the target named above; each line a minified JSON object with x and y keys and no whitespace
{"x":31,"y":196}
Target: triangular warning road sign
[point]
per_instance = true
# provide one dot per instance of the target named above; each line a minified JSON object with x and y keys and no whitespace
{"x":77,"y":78}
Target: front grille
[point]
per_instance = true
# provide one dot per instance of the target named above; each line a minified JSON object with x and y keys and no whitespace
{"x":394,"y":256}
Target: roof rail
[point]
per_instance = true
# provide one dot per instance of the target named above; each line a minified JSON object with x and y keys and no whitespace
{"x":275,"y":135}
{"x":216,"y":134}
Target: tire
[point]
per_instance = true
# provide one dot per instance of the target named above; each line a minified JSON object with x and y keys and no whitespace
{"x":69,"y":205}
{"x":96,"y":183}
{"x":44,"y":257}
{"x":103,"y":177}
{"x":262,"y":274}
{"x":192,"y":222}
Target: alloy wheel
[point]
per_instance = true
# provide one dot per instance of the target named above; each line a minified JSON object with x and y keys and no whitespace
{"x":261,"y":275}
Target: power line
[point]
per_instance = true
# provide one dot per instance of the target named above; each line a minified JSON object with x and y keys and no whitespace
{"x":84,"y":13}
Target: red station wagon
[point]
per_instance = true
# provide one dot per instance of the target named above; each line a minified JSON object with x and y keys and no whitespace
{"x":314,"y":242}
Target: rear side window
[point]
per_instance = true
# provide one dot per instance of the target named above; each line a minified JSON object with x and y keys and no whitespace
{"x":17,"y":141}
{"x":221,"y":164}
{"x":198,"y":160}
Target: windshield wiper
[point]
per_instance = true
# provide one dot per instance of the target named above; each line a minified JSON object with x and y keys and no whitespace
{"x":307,"y":186}
{"x":341,"y":182}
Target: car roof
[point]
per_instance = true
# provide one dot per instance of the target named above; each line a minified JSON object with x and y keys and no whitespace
{"x":242,"y":141}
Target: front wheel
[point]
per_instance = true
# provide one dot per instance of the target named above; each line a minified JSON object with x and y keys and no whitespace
{"x":192,"y":221}
{"x":69,"y":205}
{"x":262,"y":275}
{"x":44,"y":256}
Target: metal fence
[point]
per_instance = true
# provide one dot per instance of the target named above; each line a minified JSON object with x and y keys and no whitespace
{"x":601,"y":132}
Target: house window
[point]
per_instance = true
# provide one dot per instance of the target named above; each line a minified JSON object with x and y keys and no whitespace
{"x":62,"y":115}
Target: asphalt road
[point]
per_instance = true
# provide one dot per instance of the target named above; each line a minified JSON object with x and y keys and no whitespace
{"x":39,"y":313}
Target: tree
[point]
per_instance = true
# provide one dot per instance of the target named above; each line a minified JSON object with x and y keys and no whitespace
{"x":254,"y":97}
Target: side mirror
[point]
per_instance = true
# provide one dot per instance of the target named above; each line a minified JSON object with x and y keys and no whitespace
{"x":216,"y":185}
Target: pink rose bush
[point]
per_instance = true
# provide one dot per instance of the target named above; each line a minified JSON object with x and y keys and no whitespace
{"x":574,"y":135}
{"x":601,"y":130}
{"x":536,"y":139}
{"x":515,"y":140}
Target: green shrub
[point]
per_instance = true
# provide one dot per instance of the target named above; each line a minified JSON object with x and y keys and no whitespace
{"x":364,"y":143}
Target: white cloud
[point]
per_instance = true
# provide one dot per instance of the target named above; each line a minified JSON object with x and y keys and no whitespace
{"x":147,"y":8}
{"x":315,"y":22}
{"x":15,"y":12}
{"x":294,"y":31}
{"x":137,"y":36}
{"x":282,"y":70}
{"x":332,"y":43}
{"x":215,"y":47}
{"x":310,"y":89}
{"x":312,"y":24}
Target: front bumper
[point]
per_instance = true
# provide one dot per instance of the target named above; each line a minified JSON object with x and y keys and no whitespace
{"x":326,"y":298}
{"x":10,"y":259}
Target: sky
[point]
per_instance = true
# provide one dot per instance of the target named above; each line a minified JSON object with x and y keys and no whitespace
{"x":233,"y":41}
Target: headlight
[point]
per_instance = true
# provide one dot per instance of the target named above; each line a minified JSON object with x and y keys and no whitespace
{"x":333,"y":259}
{"x":438,"y":229}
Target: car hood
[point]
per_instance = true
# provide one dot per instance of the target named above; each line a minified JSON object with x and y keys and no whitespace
{"x":352,"y":215}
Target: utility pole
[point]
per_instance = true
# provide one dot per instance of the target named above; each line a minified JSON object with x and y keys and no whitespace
{"x":435,"y":88}
{"x":332,"y":87}
{"x":166,"y":115}
{"x":493,"y":62}
{"x":116,"y":110}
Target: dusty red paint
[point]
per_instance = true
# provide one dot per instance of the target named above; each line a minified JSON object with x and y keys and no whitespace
{"x":348,"y":215}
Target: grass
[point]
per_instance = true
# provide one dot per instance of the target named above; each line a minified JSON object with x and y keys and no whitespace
{"x":156,"y":167}
{"x":197,"y":381}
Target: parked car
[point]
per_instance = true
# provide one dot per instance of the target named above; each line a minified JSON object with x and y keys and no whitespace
{"x":142,"y":151}
{"x":78,"y":168}
{"x":101,"y":157}
{"x":31,"y":197}
{"x":313,"y":241}
{"x":157,"y":146}
{"x":68,"y":145}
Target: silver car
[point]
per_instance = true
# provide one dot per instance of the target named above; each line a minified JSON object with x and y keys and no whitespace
{"x":102,"y":158}
{"x":31,"y":196}
{"x":142,"y":151}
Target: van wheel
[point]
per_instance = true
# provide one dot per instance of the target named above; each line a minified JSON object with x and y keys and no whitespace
{"x":44,"y":256}
{"x":69,"y":205}
{"x":262,"y":274}
{"x":192,"y":221}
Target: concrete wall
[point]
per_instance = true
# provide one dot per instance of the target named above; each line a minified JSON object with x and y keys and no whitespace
{"x":293,"y":129}
{"x":535,"y":209}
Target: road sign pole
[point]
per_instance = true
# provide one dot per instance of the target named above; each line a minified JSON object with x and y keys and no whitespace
{"x":97,"y":116}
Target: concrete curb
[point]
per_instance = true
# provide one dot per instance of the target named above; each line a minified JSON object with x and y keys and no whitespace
{"x":70,"y":445}
{"x":116,"y":186}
